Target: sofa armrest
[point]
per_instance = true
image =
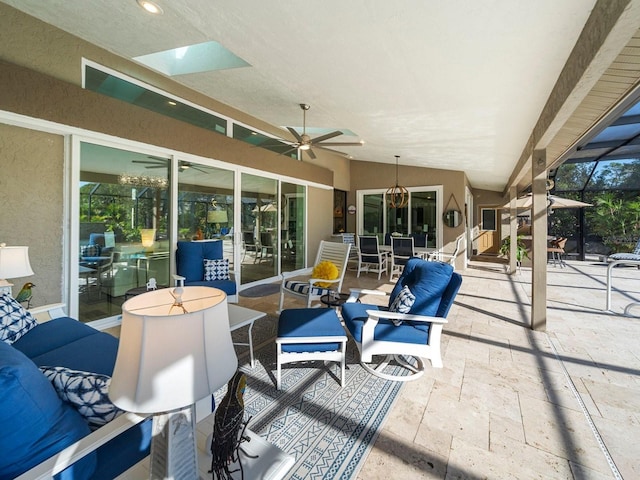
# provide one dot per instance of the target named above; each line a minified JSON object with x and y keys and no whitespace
{"x":81,"y":448}
{"x":51,"y":311}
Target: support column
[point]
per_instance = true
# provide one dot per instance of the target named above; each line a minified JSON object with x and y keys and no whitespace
{"x":513,"y":230}
{"x":539,"y":241}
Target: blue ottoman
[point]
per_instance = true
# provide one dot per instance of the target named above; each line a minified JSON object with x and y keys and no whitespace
{"x":310,"y":334}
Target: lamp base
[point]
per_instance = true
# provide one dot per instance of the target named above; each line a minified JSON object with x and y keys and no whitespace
{"x":173,"y":448}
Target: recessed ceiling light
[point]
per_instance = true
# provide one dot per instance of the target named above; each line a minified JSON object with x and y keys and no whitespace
{"x":172,"y":103}
{"x":150,"y":7}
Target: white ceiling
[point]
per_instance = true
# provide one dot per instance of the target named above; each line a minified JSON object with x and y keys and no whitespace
{"x":453,"y":84}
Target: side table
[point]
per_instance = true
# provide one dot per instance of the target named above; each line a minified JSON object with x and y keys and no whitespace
{"x":334,"y":299}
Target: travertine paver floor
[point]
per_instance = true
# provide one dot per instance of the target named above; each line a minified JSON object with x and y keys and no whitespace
{"x":502,"y":406}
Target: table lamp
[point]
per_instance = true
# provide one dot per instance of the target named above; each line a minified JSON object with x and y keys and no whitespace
{"x":175,"y":349}
{"x":217,"y":217}
{"x":14,"y":263}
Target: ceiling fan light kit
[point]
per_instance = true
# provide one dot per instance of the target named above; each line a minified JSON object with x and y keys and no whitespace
{"x":306,"y":144}
{"x":398,"y":195}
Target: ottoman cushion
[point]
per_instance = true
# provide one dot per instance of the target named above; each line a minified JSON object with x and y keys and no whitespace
{"x":310,"y":322}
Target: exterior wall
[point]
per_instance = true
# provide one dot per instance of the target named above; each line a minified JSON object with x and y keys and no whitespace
{"x":319,"y":220}
{"x":33,"y":206}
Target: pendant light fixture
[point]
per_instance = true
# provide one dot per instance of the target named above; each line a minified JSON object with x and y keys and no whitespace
{"x":398,"y":195}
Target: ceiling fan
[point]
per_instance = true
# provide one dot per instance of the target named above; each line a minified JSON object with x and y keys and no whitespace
{"x":306,"y":143}
{"x":159,"y":162}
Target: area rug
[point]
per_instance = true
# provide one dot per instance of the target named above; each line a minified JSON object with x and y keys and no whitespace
{"x":261,"y":290}
{"x":329,"y":430}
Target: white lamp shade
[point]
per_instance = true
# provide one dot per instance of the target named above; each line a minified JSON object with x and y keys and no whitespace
{"x":168,"y":359}
{"x":14,"y":262}
{"x":147,"y":236}
{"x":217,"y":216}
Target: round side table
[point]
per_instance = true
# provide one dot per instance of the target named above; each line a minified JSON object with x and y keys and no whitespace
{"x":334,"y":300}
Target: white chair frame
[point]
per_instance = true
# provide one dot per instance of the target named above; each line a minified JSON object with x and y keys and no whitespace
{"x":369,"y":347}
{"x":338,"y":254}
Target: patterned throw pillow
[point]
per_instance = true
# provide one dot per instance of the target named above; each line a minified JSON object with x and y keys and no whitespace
{"x":402,"y":303}
{"x":326,"y":270}
{"x":86,"y":392}
{"x":216,"y":269}
{"x":90,"y":250}
{"x":15,"y":321}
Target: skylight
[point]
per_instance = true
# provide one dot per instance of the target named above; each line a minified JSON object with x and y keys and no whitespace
{"x":202,"y":57}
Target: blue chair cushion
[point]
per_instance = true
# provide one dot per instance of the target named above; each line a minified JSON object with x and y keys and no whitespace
{"x":227,"y":286}
{"x":355,"y":315}
{"x":428,"y":281}
{"x":310,"y":322}
{"x":190,"y":257}
{"x":36,"y":424}
{"x":65,"y":342}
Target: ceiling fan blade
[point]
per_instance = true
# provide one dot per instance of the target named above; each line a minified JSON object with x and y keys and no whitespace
{"x":311,"y":154}
{"x":345,"y":154}
{"x":148,"y":162}
{"x":200,"y":170}
{"x":327,"y":136}
{"x":295,"y":134}
{"x":287,"y":152}
{"x":339,"y":144}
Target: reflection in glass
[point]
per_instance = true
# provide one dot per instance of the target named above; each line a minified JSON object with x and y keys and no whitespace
{"x":292,"y":226}
{"x":260,"y":228}
{"x":372,"y":220}
{"x":118,"y":205}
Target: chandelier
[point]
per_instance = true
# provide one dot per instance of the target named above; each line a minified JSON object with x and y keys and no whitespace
{"x":398,"y":195}
{"x":143,"y":180}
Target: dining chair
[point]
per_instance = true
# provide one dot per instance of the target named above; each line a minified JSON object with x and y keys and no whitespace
{"x":402,"y":249}
{"x":370,"y":258}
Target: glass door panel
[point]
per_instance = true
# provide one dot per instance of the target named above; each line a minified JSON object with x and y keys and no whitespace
{"x":292,"y":228}
{"x":261,"y":225}
{"x":373,"y":215}
{"x":123,"y":227}
{"x":423,"y":216}
{"x":205,"y":205}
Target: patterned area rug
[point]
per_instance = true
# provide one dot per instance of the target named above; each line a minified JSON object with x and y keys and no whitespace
{"x":329,"y":430}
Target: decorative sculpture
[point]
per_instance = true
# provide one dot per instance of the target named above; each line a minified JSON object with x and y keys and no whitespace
{"x":228,"y":430}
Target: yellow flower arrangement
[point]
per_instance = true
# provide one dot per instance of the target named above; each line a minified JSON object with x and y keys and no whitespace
{"x":326,"y":270}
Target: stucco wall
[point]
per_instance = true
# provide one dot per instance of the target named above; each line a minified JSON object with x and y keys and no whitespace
{"x":32,"y":206}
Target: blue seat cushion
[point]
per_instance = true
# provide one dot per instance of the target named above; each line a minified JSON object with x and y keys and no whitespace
{"x":227,"y":286}
{"x":36,"y":424}
{"x":355,"y":315}
{"x":309,"y":322}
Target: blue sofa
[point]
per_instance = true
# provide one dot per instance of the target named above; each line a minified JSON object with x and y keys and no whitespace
{"x":190,"y":257}
{"x":37,"y":425}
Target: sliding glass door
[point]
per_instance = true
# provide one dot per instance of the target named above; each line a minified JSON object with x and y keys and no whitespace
{"x":260,"y":221}
{"x":123,"y":227}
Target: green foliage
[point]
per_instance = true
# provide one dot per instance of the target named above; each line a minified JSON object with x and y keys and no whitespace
{"x":521,"y":248}
{"x":616,"y":220}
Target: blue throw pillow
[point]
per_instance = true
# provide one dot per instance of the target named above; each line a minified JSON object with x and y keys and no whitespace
{"x":402,"y":303}
{"x":86,"y":392}
{"x":216,"y":269}
{"x":90,"y":250}
{"x":15,"y":321}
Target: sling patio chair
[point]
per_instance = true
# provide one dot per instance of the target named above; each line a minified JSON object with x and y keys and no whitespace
{"x":309,"y":288}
